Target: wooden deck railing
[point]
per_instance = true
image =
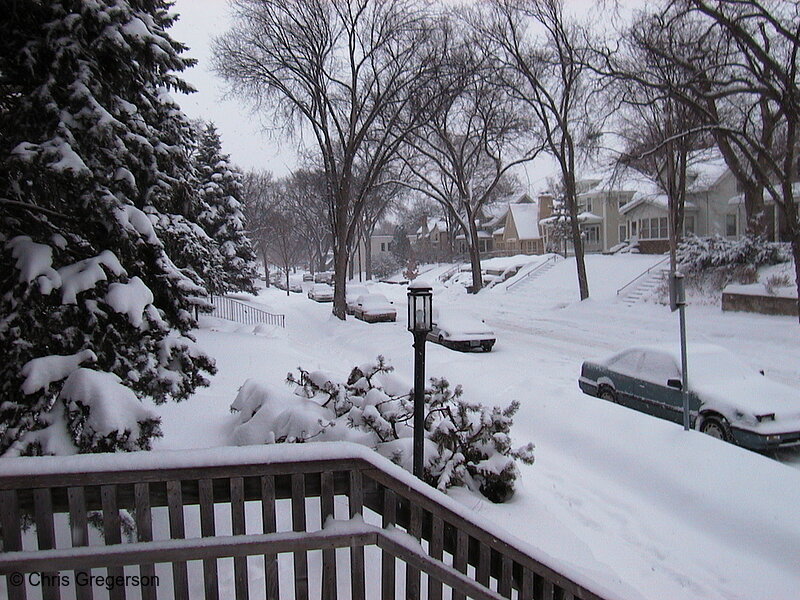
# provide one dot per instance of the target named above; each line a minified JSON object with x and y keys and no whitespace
{"x":190,"y":509}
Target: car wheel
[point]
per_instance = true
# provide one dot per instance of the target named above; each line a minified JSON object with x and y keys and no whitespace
{"x":487,"y":347}
{"x":607,"y":394}
{"x":716,"y":427}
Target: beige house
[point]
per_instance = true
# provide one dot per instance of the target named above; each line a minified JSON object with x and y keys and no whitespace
{"x":599,"y":201}
{"x":520,"y":232}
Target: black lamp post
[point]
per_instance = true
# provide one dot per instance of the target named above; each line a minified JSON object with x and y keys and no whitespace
{"x":420,"y":297}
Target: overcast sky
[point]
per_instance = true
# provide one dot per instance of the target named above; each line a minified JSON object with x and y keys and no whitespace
{"x":246,"y":136}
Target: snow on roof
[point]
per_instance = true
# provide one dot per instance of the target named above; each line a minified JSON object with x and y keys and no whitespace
{"x":588,"y":217}
{"x":705,"y":170}
{"x":660,"y":201}
{"x":526,"y":219}
{"x":481,"y":234}
{"x":499,"y":231}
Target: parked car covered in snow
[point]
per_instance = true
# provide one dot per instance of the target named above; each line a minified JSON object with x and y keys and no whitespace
{"x":321,"y":292}
{"x":461,"y":332}
{"x":727,"y":399}
{"x":373,"y":308}
{"x":351,"y":296}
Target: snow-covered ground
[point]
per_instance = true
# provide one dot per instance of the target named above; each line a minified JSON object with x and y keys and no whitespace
{"x":635,"y":503}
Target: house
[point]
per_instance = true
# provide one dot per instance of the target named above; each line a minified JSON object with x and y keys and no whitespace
{"x":520,"y":232}
{"x":435,"y":232}
{"x":599,"y":199}
{"x":629,"y":207}
{"x":707,"y":207}
{"x":508,"y":227}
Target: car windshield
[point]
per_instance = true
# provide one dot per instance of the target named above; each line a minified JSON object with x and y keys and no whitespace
{"x":716,"y":367}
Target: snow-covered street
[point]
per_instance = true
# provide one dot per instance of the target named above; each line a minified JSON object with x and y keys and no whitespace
{"x":631,"y":502}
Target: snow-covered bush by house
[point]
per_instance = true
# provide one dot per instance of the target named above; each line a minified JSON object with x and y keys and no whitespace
{"x":385,"y":265}
{"x":467,"y":443}
{"x":712,"y":263}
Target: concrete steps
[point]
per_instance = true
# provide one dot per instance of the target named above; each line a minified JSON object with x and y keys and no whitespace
{"x":645,"y":287}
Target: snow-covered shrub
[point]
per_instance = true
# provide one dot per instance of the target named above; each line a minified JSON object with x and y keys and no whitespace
{"x":714,"y":262}
{"x":95,"y":315}
{"x":467,"y":443}
{"x":385,"y":265}
{"x":776,"y":281}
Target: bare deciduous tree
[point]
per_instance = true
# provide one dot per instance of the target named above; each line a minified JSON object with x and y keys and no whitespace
{"x":545,"y":58}
{"x":471,"y":141}
{"x":353,"y":72}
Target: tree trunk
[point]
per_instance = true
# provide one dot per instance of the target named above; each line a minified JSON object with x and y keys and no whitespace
{"x":287,"y":280}
{"x":474,"y":255}
{"x":796,"y":257}
{"x":266,"y":266}
{"x":577,"y":240}
{"x":340,"y":282}
{"x":754,"y":210}
{"x":368,"y":258}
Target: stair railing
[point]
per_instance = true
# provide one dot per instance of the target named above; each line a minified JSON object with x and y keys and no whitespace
{"x":234,"y":310}
{"x":551,"y":260}
{"x":642,"y":274}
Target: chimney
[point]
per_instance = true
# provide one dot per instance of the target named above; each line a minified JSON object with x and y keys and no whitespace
{"x":545,"y":206}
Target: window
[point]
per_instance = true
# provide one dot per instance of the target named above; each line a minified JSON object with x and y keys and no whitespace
{"x":655,"y":228}
{"x":663,"y":228}
{"x":588,"y":205}
{"x":592,"y":234}
{"x":730,"y":225}
{"x":658,"y":367}
{"x":383,"y":247}
{"x":633,"y":225}
{"x":623,"y":233}
{"x":626,"y":363}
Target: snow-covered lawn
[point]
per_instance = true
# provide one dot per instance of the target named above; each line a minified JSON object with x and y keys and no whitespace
{"x":634,"y":503}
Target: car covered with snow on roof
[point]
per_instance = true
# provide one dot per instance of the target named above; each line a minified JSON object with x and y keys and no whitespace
{"x":461,"y":332}
{"x":352,"y":294}
{"x":321,"y":292}
{"x":374,"y":308}
{"x":727,"y":399}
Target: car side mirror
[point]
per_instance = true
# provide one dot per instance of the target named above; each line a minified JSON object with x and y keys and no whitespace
{"x":675,"y":383}
{"x":762,"y":372}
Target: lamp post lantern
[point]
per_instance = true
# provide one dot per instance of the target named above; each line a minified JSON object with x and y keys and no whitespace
{"x":420,"y":314}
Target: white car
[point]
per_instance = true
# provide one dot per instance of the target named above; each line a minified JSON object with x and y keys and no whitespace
{"x":461,"y":332}
{"x":353,"y":292}
{"x":373,"y":308}
{"x":321,"y":292}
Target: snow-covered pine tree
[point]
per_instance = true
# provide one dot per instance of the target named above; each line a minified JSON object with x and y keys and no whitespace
{"x":94,"y":315}
{"x":220,"y":210}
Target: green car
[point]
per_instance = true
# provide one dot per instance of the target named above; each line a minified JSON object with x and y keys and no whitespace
{"x":727,"y":399}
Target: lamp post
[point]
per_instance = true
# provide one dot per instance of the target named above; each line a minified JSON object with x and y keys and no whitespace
{"x":420,"y":300}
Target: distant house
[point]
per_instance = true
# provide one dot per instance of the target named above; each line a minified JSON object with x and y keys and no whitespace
{"x":511,"y":227}
{"x":520,"y":232}
{"x":435,"y":232}
{"x":599,"y":199}
{"x":707,"y":208}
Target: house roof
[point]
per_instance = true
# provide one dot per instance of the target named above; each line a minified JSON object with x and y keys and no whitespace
{"x":659,"y":201}
{"x":526,"y":220}
{"x":432,"y":224}
{"x":499,"y":231}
